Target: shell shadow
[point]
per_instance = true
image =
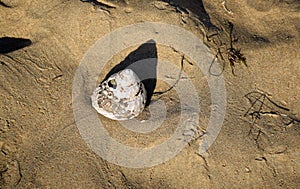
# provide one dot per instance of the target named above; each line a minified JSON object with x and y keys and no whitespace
{"x":143,"y":61}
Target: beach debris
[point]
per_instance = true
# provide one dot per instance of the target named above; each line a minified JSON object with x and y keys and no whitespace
{"x":101,"y":3}
{"x":234,"y":55}
{"x":225,"y":7}
{"x":263,"y":105}
{"x":121,"y":97}
{"x":160,"y":5}
{"x":107,"y":3}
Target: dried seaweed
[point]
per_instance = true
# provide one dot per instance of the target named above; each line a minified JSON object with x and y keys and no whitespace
{"x":262,"y":105}
{"x":233,"y":54}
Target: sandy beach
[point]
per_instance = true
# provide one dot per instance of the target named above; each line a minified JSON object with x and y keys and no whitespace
{"x":44,"y":139}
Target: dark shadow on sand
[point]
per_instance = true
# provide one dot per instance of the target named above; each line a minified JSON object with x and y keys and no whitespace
{"x":9,"y":44}
{"x":196,"y":7}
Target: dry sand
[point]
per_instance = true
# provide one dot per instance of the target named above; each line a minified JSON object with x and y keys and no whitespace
{"x":41,"y":146}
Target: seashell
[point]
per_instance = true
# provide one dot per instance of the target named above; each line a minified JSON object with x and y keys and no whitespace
{"x":121,"y":97}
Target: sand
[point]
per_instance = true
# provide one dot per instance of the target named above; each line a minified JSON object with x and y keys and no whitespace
{"x":42,"y":147}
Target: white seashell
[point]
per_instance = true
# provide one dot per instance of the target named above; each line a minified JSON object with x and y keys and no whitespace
{"x":121,"y":97}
